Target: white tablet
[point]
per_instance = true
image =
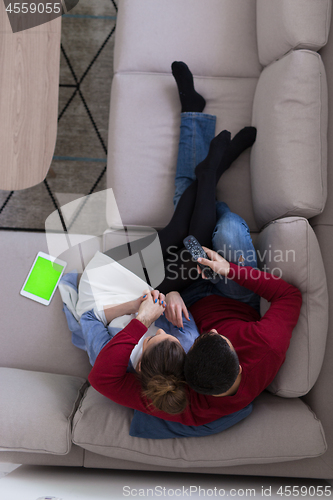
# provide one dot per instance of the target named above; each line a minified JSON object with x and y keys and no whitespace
{"x":43,"y":278}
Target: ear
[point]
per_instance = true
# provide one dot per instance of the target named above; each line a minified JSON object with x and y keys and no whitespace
{"x":240,"y":370}
{"x":138,"y":366}
{"x":213,"y":330}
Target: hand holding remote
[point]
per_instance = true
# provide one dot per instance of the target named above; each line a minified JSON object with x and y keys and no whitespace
{"x":197,"y":251}
{"x":216,"y":262}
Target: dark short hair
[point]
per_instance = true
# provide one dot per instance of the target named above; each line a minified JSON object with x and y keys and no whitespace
{"x":211,"y":366}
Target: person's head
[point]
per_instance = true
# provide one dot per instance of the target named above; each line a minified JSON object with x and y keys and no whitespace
{"x":211,"y":365}
{"x":161,"y":371}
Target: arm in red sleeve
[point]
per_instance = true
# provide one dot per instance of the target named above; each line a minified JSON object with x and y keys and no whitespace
{"x":266,"y":285}
{"x":109,"y":376}
{"x":279,"y":321}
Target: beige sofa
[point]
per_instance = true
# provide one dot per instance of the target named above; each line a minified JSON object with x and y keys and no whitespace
{"x":256,"y":62}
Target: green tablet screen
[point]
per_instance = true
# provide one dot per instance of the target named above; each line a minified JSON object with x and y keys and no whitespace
{"x":43,"y":278}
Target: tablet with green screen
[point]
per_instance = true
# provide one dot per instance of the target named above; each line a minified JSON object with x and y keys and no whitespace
{"x":43,"y":278}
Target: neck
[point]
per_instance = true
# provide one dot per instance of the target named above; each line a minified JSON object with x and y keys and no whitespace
{"x":233,"y":389}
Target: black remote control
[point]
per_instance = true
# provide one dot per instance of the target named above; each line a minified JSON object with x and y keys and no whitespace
{"x":196,"y":250}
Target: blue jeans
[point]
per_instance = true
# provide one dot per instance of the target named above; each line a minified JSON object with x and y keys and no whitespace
{"x":196,"y":132}
{"x":231,"y":236}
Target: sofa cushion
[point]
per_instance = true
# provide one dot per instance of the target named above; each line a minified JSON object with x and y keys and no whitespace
{"x":289,"y":157}
{"x":148,"y":426}
{"x":141,"y":170}
{"x":216,"y":41}
{"x":291,"y":24}
{"x":33,"y":336}
{"x":289,"y":248}
{"x":36,"y":410}
{"x":102,"y":426}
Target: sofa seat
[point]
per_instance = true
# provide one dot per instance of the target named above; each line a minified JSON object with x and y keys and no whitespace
{"x":34,"y":336}
{"x":102,"y":426}
{"x":139,"y":153}
{"x":37,"y":409}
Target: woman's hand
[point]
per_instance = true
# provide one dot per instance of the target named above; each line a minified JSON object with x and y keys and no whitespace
{"x":215,"y":261}
{"x":158,"y":297}
{"x":175,"y":307}
{"x":135,"y":304}
{"x":151,"y":308}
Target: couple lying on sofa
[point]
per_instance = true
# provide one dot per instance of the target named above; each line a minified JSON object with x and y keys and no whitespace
{"x":237,"y":354}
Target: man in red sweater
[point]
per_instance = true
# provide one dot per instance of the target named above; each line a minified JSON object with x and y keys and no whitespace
{"x":215,"y":363}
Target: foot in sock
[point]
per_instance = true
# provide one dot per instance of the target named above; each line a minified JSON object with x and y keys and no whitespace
{"x":244,"y":139}
{"x":190,"y":100}
{"x":217,"y":148}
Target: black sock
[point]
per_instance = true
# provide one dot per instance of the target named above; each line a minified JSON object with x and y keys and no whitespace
{"x":217,"y":148}
{"x":178,"y":228}
{"x":242,"y":140}
{"x":189,"y":98}
{"x":203,"y":187}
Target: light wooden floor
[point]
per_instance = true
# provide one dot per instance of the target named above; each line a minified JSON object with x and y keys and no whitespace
{"x":30,"y":483}
{"x":7,"y":468}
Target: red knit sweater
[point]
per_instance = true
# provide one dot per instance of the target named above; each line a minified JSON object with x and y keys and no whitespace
{"x":260,"y":343}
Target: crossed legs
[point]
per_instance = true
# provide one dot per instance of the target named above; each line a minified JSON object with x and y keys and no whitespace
{"x":196,"y":179}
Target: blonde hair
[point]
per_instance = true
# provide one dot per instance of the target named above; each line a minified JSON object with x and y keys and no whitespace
{"x":162,"y":376}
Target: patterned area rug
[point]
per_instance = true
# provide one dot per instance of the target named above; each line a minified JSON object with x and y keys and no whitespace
{"x":79,"y":162}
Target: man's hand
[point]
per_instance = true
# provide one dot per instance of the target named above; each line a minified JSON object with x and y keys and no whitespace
{"x":215,"y":261}
{"x":174,"y":309}
{"x":151,"y":308}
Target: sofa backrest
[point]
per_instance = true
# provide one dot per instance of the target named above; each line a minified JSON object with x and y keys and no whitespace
{"x":291,"y":24}
{"x":145,"y":40}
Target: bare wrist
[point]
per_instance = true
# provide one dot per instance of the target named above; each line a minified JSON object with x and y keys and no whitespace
{"x":143,"y":320}
{"x":133,"y":307}
{"x":228,"y":270}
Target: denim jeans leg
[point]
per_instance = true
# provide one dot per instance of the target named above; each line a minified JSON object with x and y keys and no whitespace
{"x":196,"y":132}
{"x":232,"y":239}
